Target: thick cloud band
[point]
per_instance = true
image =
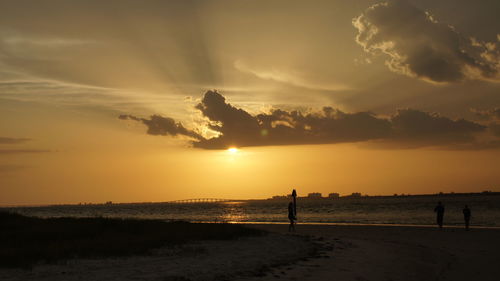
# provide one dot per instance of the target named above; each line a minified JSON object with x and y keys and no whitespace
{"x":236,"y":127}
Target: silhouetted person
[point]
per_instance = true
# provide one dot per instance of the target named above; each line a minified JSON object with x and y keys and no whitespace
{"x":291,"y":217}
{"x":294,"y":196}
{"x":439,"y":210}
{"x":467,"y":214}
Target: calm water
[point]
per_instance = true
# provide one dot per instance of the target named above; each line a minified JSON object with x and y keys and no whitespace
{"x":388,"y":210}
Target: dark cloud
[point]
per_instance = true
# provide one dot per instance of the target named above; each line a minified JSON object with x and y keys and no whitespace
{"x":495,"y":129}
{"x":422,"y":128}
{"x":163,"y":126}
{"x":420,"y":46}
{"x":6,"y":140}
{"x":490,"y":117}
{"x":237,"y":127}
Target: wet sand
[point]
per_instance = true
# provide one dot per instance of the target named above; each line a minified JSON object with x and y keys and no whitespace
{"x":313,"y":252}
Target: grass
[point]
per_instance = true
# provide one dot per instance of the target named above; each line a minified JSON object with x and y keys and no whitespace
{"x":26,"y":241}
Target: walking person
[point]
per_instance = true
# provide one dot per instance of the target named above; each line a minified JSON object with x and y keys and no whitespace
{"x":439,"y":210}
{"x":467,"y":214}
{"x":291,"y":217}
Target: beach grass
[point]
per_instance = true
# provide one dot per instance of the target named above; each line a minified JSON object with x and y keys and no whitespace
{"x":26,"y":241}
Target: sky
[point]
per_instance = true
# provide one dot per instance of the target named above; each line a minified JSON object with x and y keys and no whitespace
{"x":140,"y":101}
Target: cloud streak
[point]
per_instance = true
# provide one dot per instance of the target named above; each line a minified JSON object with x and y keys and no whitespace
{"x":236,"y":127}
{"x":287,"y":77}
{"x":163,"y":126}
{"x":7,"y":140}
{"x":418,"y":45}
{"x":15,"y":141}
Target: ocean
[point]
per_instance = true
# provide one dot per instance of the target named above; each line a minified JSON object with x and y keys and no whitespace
{"x":400,"y":210}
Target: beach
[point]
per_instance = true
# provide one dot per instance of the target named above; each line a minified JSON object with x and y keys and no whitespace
{"x":397,"y":253}
{"x":313,"y":252}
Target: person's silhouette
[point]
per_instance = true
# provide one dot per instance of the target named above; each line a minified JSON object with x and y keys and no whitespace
{"x":467,"y":214}
{"x":439,"y":210}
{"x":291,"y":217}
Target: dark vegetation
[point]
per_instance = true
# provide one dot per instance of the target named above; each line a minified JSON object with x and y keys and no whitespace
{"x":25,"y":241}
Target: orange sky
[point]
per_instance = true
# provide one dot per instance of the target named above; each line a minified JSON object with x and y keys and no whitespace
{"x":68,"y":71}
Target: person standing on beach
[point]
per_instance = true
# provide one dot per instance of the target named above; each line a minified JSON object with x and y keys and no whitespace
{"x":291,"y":217}
{"x":294,"y":196}
{"x":467,"y":214}
{"x":439,"y":210}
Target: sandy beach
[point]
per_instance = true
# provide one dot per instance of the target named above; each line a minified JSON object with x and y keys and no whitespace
{"x":397,"y":253}
{"x":313,"y":252}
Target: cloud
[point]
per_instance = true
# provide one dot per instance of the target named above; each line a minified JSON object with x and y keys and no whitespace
{"x":288,"y":77}
{"x":7,"y":140}
{"x":495,"y":129}
{"x":236,"y":127}
{"x":14,"y":141}
{"x":46,"y":42}
{"x":22,"y":151}
{"x":491,"y":117}
{"x":418,"y":45}
{"x":420,"y":128}
{"x":490,"y":114}
{"x":163,"y":126}
{"x":22,"y":46}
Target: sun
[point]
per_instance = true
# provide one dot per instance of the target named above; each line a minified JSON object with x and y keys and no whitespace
{"x":232,"y":150}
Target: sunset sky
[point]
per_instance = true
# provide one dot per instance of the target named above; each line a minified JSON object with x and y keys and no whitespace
{"x":132,"y":101}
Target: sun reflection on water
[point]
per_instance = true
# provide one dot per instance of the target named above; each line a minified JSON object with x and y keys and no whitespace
{"x":233,"y":212}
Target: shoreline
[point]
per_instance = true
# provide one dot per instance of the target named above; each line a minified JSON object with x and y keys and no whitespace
{"x":355,"y":224}
{"x":305,"y":198}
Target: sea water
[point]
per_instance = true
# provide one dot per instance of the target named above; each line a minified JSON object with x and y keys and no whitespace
{"x":407,"y":210}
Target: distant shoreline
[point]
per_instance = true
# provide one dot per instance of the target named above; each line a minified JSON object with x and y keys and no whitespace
{"x":402,"y":195}
{"x":345,"y":197}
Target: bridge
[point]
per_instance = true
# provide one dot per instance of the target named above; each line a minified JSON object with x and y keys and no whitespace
{"x":200,"y":200}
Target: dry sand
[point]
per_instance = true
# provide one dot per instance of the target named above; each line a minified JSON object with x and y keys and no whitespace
{"x":397,"y":253}
{"x":312,"y":253}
